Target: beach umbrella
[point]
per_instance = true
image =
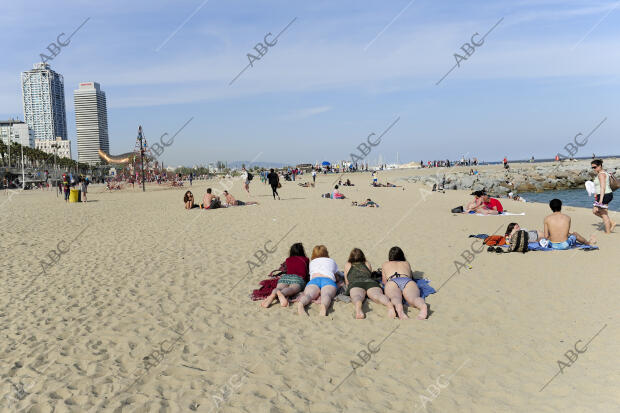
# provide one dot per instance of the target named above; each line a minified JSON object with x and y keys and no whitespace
{"x":325,"y":163}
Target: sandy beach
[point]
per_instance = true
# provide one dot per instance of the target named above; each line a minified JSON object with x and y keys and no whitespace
{"x":129,"y":303}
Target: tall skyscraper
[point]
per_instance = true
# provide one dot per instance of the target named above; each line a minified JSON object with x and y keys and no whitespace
{"x":91,"y":122}
{"x":43,"y":92}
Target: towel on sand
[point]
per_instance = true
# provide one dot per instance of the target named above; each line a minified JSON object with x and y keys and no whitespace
{"x":535,"y":246}
{"x":502,"y":214}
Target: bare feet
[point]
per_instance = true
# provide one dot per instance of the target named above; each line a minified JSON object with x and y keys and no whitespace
{"x":423,"y":312}
{"x":391,"y":312}
{"x":301,"y":310}
{"x":267,"y":301}
{"x":592,"y":240}
{"x":402,"y":315}
{"x":611,"y":228}
{"x":282,"y":298}
{"x":323,"y":311}
{"x":359,"y":314}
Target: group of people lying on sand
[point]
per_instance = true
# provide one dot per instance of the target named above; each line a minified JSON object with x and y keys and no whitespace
{"x":211,"y":201}
{"x":318,"y":278}
{"x":556,"y":234}
{"x":388,"y":185}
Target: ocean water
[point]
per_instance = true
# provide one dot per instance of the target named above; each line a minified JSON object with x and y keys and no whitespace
{"x":571,"y":197}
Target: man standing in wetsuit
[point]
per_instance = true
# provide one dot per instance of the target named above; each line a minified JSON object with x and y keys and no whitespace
{"x":274,"y":180}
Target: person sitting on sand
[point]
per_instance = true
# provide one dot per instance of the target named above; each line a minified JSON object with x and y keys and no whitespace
{"x":337,"y":194}
{"x":359,"y":282}
{"x":476,"y":203}
{"x":231,"y":201}
{"x":348,"y":183}
{"x":210,"y":201}
{"x":533,"y":235}
{"x":306,"y":184}
{"x":490,"y":206}
{"x":322,"y":281}
{"x":368,"y":203}
{"x":398,"y":281}
{"x":188,"y":199}
{"x":557,"y":229}
{"x":295,"y":278}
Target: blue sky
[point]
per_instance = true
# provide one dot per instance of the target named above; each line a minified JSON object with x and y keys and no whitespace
{"x":342,"y":70}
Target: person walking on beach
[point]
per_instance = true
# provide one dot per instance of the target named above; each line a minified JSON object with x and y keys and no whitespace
{"x":603,"y":196}
{"x":557,"y":229}
{"x":313,"y":176}
{"x":274,"y":182}
{"x":84,"y":188}
{"x":247,"y":178}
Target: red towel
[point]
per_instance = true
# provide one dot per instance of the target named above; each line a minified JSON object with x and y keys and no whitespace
{"x":268,"y":286}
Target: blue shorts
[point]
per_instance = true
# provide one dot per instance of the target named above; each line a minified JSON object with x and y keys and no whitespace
{"x":322,"y":282}
{"x":570,"y":242}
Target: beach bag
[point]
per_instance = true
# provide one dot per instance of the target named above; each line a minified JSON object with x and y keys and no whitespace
{"x":458,"y":210}
{"x":250,"y":176}
{"x":518,"y":242}
{"x":494,"y":240}
{"x":613,"y":182}
{"x":279,"y":184}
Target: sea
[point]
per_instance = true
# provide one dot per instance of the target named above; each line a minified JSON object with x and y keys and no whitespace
{"x":571,"y":197}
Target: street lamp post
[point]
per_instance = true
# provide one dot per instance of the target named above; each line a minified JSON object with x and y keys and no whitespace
{"x":140,"y":137}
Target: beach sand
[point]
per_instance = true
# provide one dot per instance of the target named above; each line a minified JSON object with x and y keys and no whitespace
{"x":143,"y":306}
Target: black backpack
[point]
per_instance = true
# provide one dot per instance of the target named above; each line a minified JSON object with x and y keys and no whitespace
{"x":250,"y":176}
{"x":518,"y":242}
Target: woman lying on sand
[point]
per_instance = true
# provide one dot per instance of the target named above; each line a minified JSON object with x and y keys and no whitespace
{"x":322,"y":281}
{"x":188,"y":199}
{"x":533,"y":235}
{"x":295,"y":278}
{"x":398,"y":281}
{"x":359,"y":282}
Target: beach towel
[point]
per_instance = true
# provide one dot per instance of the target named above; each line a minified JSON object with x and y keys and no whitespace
{"x":535,"y":246}
{"x":268,"y":286}
{"x":502,"y":214}
{"x":425,"y":287}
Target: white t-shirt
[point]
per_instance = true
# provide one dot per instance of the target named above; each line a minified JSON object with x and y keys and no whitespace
{"x":324,"y":266}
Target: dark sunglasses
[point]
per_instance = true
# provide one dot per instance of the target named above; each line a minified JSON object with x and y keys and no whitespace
{"x":594,"y":167}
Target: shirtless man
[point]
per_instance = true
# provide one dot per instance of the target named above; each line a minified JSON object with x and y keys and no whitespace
{"x":209,"y":200}
{"x":231,"y":201}
{"x":557,"y":229}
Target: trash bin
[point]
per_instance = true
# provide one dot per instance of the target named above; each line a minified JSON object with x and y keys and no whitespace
{"x":74,"y":195}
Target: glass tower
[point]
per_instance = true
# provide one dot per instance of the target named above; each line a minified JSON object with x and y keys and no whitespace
{"x":43,"y":92}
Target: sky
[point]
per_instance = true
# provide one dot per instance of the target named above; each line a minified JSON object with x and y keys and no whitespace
{"x":340,"y":71}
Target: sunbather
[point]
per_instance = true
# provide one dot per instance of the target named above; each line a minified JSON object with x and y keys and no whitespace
{"x":337,"y":194}
{"x":295,"y":278}
{"x":476,"y":203}
{"x":398,"y":281}
{"x":188,"y":199}
{"x":231,"y":201}
{"x":210,"y":201}
{"x":359,"y":282}
{"x":557,"y":229}
{"x":368,"y":203}
{"x":322,"y":281}
{"x":532,"y":235}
